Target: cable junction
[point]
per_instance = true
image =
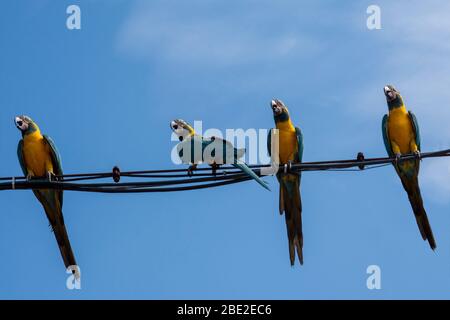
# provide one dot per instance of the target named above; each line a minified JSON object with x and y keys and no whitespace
{"x":179,"y":180}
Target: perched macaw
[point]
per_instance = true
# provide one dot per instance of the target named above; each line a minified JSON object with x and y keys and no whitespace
{"x":39,"y":158}
{"x":290,"y":149}
{"x":215,"y":151}
{"x":401,"y":136}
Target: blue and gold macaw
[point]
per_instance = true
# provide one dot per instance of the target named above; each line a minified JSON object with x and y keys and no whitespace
{"x":290,"y":149}
{"x":194,"y":149}
{"x":401,"y":136}
{"x":39,"y":158}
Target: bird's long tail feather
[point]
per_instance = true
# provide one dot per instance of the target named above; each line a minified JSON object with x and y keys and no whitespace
{"x":411,"y":185}
{"x":54,"y":214}
{"x":64,"y":245}
{"x":241,"y":165}
{"x":291,"y":205}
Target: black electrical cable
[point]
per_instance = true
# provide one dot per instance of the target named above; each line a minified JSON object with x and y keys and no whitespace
{"x":179,"y":179}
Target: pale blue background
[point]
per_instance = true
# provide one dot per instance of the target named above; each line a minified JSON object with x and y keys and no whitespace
{"x":107,"y":92}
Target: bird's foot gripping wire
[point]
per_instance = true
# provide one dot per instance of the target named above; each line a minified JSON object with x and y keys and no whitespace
{"x":190,"y":170}
{"x":51,"y":176}
{"x":397,"y":158}
{"x":418,"y":154}
{"x":214,"y":168}
{"x":287,"y":167}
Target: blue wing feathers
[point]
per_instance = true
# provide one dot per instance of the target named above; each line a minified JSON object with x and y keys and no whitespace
{"x":415,"y":125}
{"x":20,"y":156}
{"x":300,"y":143}
{"x":56,"y":158}
{"x":387,"y":142}
{"x":269,"y":142}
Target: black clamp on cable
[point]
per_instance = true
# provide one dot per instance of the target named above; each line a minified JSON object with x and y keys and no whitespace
{"x":116,"y":174}
{"x":360,"y":158}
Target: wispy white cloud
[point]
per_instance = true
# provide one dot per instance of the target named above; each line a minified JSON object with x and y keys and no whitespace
{"x":188,"y":32}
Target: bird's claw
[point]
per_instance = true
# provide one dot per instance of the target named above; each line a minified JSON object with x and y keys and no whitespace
{"x":397,"y":157}
{"x":29,"y":177}
{"x":418,"y":154}
{"x":190,"y":170}
{"x":287,"y":167}
{"x":51,"y":176}
{"x":214,"y":168}
{"x":290,"y":165}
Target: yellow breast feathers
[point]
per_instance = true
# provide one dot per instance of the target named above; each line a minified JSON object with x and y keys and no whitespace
{"x":37,"y":155}
{"x":401,"y":133}
{"x":288,"y":141}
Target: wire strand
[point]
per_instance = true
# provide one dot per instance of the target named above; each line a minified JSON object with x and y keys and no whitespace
{"x":170,"y":180}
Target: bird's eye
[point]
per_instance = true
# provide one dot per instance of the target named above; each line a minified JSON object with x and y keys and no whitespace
{"x":175,"y":126}
{"x":19,"y":123}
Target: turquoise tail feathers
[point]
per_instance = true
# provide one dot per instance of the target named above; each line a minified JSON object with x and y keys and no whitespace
{"x":251,"y":173}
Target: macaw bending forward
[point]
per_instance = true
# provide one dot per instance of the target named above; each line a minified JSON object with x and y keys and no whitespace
{"x":39,"y":157}
{"x":401,"y":135}
{"x":290,"y":150}
{"x":215,"y":151}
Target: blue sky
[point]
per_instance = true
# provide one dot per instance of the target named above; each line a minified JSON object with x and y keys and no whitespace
{"x":107,"y":92}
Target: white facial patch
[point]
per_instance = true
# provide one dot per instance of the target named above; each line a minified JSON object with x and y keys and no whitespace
{"x":22,"y":125}
{"x":179,"y":129}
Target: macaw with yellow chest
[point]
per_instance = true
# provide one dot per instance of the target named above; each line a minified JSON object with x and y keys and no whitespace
{"x":39,"y":158}
{"x":194,"y":149}
{"x":290,"y":150}
{"x":401,"y":136}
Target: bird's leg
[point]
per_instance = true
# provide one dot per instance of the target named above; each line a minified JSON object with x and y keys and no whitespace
{"x":397,"y":157}
{"x":397,"y":152}
{"x":286,"y":167}
{"x":49,"y":168}
{"x":30,"y":175}
{"x":51,"y":176}
{"x":289,"y":167}
{"x":415,"y":149}
{"x":190,"y":170}
{"x":214,"y":167}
